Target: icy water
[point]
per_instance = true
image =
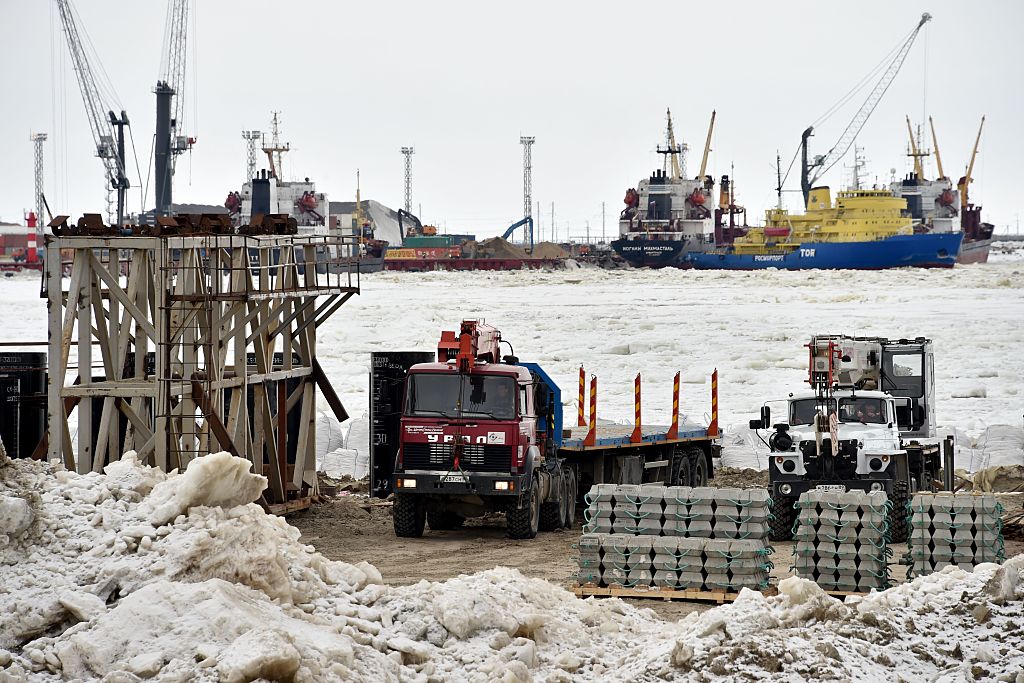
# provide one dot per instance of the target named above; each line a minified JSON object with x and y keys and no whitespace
{"x":750,"y":326}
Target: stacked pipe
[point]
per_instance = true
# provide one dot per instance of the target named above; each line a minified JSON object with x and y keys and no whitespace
{"x":954,"y":529}
{"x":842,"y":540}
{"x":678,"y":537}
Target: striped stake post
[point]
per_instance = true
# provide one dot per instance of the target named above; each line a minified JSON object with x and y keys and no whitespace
{"x":580,"y":420}
{"x":637,"y":436}
{"x":673,"y":431}
{"x":713,"y":427}
{"x":591,"y":438}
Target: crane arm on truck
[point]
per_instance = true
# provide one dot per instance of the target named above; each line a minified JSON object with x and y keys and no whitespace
{"x":475,"y":341}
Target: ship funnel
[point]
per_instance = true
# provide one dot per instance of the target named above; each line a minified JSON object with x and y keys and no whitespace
{"x":820,"y":198}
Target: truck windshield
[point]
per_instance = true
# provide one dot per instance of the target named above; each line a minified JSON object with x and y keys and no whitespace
{"x":866,"y":410}
{"x":444,"y":395}
{"x":802,"y":411}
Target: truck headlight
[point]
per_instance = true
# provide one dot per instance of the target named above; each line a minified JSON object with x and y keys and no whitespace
{"x":501,"y":486}
{"x":407,"y":483}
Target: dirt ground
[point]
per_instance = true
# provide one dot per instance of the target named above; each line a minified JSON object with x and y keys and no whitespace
{"x":354,"y":527}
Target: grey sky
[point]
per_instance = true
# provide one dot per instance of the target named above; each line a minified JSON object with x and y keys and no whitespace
{"x":462,"y":81}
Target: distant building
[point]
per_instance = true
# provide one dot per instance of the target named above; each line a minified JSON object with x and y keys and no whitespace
{"x":384,"y":219}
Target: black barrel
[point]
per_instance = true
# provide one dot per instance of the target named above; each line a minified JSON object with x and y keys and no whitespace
{"x":22,"y":401}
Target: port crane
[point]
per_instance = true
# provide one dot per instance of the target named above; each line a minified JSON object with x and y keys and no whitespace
{"x":170,"y":143}
{"x":935,"y":143}
{"x":966,"y":180}
{"x":108,"y":130}
{"x":812,"y":170}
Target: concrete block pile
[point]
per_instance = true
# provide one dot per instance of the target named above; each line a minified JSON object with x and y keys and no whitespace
{"x":675,"y":537}
{"x":954,"y":529}
{"x":842,"y":540}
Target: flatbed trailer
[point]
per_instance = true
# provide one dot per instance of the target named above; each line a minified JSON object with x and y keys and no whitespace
{"x":418,"y":265}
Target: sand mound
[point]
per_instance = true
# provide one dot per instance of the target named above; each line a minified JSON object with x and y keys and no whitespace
{"x":549,"y":250}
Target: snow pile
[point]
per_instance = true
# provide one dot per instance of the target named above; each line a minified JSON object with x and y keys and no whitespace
{"x":101,"y":583}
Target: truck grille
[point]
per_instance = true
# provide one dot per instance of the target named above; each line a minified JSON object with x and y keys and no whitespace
{"x":475,"y":457}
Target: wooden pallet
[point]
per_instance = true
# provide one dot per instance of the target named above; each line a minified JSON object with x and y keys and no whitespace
{"x":668,"y":594}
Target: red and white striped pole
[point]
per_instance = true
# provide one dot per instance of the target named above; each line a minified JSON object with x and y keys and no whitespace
{"x":713,"y":427}
{"x":673,"y":431}
{"x":580,"y":420}
{"x":591,"y":438}
{"x":637,"y":435}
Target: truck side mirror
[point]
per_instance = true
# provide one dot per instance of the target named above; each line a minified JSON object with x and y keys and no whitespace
{"x":756,"y":424}
{"x":766,"y":417}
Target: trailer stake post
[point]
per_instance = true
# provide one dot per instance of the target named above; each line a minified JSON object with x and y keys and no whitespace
{"x":591,"y":438}
{"x":673,"y":431}
{"x":637,"y":436}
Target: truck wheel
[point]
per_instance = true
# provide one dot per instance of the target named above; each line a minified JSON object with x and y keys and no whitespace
{"x":408,"y":515}
{"x":698,"y":466}
{"x":570,"y":499}
{"x":780,"y":526}
{"x":552,"y":513}
{"x":524,"y":522}
{"x":442,"y":520}
{"x":898,"y":528}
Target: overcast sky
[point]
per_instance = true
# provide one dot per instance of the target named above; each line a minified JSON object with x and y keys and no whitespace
{"x":461,"y":82}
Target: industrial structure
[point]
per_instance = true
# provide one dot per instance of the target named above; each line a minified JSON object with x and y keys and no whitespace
{"x":169,"y":97}
{"x":407,"y":152}
{"x":527,"y":143}
{"x":38,"y":139}
{"x":192,"y":337}
{"x":251,"y":137}
{"x":107,"y":130}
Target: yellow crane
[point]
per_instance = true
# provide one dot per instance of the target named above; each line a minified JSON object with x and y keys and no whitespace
{"x":966,"y":180}
{"x":707,"y":148}
{"x":935,"y":143}
{"x":914,"y":152}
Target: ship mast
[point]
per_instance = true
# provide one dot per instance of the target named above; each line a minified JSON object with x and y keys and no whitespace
{"x":672,"y":151}
{"x":935,"y":143}
{"x":916,"y":150}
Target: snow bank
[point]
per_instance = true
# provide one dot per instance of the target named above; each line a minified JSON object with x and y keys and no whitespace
{"x":100,"y":584}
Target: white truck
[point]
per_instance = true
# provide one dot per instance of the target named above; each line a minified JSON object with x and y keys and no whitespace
{"x":867,"y":423}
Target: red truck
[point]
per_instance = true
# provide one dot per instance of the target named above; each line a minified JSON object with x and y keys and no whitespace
{"x":473,"y":432}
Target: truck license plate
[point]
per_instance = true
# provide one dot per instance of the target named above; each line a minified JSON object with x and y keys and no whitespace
{"x":831,"y":488}
{"x":453,"y":478}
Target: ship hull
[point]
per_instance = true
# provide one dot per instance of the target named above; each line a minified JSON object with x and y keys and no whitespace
{"x":922,"y":251}
{"x":974,"y":251}
{"x":651,"y":253}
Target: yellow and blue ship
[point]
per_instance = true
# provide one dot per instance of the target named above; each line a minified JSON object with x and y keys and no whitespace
{"x":863,"y":229}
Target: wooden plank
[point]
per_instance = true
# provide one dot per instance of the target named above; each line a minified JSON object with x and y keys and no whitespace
{"x":115,"y":290}
{"x":327,"y":389}
{"x":654,"y":593}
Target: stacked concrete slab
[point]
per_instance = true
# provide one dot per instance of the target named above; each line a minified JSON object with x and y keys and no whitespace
{"x":954,"y":529}
{"x":842,"y":540}
{"x":677,"y":537}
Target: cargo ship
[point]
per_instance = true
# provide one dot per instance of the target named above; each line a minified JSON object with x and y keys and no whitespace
{"x":864,"y":230}
{"x":934,"y":205}
{"x":668,"y":215}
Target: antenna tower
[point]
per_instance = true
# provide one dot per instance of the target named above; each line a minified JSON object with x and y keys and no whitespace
{"x":250,"y":137}
{"x":39,"y":139}
{"x":407,"y":152}
{"x":527,"y":143}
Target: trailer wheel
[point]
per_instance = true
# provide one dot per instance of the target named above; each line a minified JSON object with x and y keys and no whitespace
{"x":780,"y":525}
{"x":525,"y":521}
{"x":408,"y":515}
{"x":552,"y":514}
{"x":698,"y":466}
{"x":898,"y":527}
{"x":442,"y":520}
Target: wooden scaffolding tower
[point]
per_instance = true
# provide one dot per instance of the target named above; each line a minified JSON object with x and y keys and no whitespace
{"x":189,"y":344}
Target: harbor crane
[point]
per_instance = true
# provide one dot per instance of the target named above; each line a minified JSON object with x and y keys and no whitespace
{"x":938,"y":157}
{"x":812,"y":170}
{"x":108,"y":130}
{"x":967,"y":179}
{"x":170,"y":143}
